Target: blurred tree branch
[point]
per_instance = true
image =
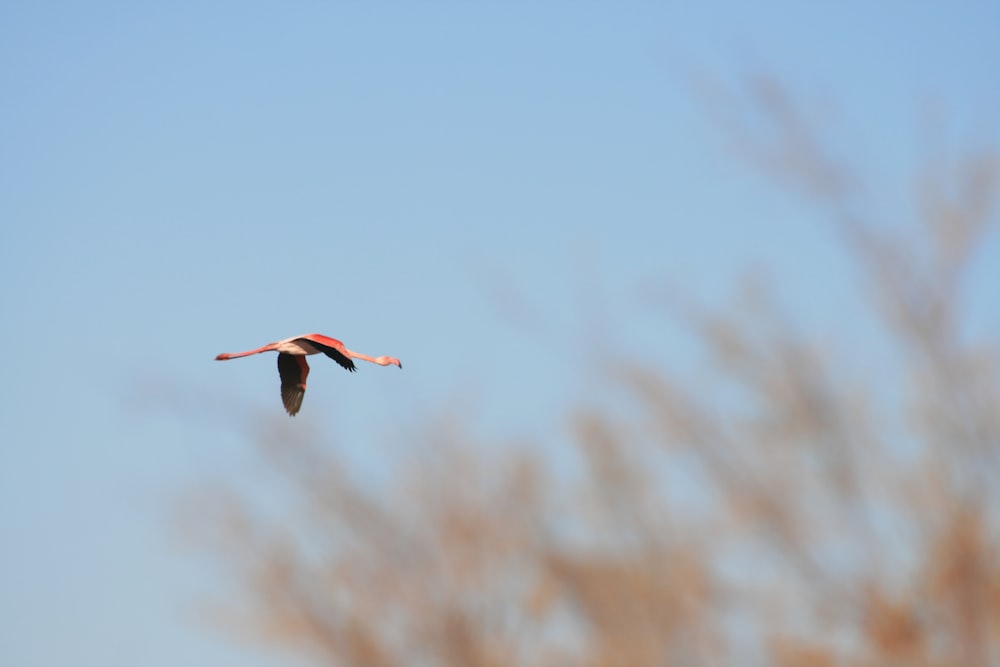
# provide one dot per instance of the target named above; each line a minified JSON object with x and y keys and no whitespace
{"x":809,"y":521}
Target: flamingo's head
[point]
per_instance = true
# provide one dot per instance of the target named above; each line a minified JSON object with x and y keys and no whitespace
{"x":386,"y":361}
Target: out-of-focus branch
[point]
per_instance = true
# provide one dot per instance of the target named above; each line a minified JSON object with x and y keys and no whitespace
{"x":793,"y":506}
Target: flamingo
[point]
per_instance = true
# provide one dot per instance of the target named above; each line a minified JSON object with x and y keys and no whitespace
{"x":294,"y":370}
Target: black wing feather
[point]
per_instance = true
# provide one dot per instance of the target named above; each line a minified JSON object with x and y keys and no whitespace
{"x":292,"y":386}
{"x":341,"y":359}
{"x":345,"y":361}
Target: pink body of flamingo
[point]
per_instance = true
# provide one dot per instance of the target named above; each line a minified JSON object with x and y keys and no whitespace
{"x":294,"y":370}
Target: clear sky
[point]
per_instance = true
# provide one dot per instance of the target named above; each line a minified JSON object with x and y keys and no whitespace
{"x":179,"y":179}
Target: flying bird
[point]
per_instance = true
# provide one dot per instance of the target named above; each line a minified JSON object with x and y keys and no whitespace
{"x":294,"y":370}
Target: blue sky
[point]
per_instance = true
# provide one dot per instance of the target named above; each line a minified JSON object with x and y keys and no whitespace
{"x":181,"y":179}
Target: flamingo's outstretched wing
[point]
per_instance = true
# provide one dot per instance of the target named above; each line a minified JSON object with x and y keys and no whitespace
{"x":332,"y":348}
{"x":293,"y":371}
{"x":341,"y":359}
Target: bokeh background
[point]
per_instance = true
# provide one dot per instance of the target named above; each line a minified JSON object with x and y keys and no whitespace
{"x":724,"y":238}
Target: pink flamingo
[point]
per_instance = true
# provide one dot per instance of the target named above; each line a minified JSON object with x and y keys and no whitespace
{"x":294,"y":370}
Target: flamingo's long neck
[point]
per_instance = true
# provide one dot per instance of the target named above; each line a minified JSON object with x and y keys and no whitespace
{"x":363,"y":357}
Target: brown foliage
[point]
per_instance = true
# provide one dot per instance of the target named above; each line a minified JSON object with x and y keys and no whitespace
{"x":804,"y":510}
